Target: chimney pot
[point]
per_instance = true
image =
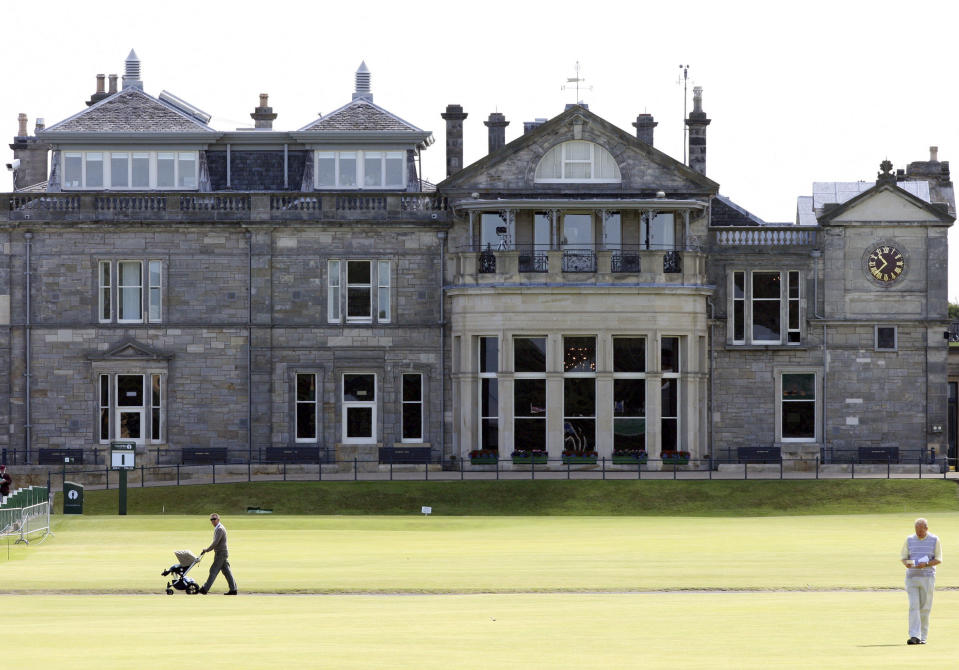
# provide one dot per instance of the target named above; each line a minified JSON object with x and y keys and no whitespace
{"x":934,"y":154}
{"x":113,"y":83}
{"x":264,"y":98}
{"x":22,"y":120}
{"x":101,"y":83}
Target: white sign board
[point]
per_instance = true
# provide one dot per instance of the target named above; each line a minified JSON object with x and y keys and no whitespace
{"x":122,"y":455}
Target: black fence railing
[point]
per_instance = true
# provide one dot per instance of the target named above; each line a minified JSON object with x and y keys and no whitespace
{"x":102,"y":476}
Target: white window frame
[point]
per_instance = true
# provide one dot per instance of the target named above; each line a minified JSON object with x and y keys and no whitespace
{"x":581,"y":375}
{"x":404,"y":402}
{"x":297,"y":403}
{"x":333,"y":293}
{"x":493,"y":378}
{"x":122,"y":288}
{"x":895,"y":337}
{"x":790,"y":301}
{"x":817,"y":385}
{"x":592,"y":161}
{"x":379,"y":289}
{"x":641,"y":376}
{"x":153,"y":404}
{"x":534,"y":376}
{"x":150,"y":289}
{"x":676,"y":375}
{"x":141,"y":410}
{"x":360,"y":156}
{"x":157,"y":406}
{"x":347,"y":405}
{"x":107,"y":168}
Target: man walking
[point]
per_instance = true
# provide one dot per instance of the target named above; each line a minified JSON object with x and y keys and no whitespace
{"x":220,"y":556}
{"x":920,"y":553}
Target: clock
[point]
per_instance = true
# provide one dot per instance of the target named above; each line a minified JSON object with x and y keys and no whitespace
{"x":886,"y":263}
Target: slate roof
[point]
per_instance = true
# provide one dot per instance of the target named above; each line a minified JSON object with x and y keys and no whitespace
{"x":130,"y":110}
{"x":361,"y":115}
{"x":724,"y":212}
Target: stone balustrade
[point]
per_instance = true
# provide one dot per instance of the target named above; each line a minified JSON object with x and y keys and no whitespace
{"x":239,"y":207}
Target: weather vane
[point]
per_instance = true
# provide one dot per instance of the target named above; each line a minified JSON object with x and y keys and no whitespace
{"x":572,"y":82}
{"x":684,"y":80}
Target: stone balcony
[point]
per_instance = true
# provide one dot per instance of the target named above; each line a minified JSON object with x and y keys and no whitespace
{"x":226,"y":207}
{"x":579,"y":265}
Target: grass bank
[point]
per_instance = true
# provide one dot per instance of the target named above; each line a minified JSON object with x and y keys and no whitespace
{"x":547,"y":498}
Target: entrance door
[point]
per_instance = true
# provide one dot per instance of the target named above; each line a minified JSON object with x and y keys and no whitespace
{"x":131,"y":409}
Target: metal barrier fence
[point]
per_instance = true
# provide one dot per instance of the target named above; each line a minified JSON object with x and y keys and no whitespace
{"x":25,"y":522}
{"x":503,"y":469}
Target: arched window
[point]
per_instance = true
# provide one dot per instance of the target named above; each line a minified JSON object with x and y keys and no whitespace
{"x":578,"y":161}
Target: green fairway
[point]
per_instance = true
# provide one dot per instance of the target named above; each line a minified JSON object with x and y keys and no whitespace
{"x":480,"y":554}
{"x":521,"y":631}
{"x":479,"y":592}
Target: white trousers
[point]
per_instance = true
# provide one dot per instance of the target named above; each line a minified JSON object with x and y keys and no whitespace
{"x":920,"y":591}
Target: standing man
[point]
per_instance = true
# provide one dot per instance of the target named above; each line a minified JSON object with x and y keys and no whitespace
{"x":220,"y":556}
{"x":6,"y":481}
{"x":920,"y":553}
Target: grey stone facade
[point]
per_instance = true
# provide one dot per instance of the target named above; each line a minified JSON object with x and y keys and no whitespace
{"x":257,"y":310}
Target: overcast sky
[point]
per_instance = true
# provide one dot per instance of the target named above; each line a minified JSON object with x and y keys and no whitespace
{"x":797,"y":92}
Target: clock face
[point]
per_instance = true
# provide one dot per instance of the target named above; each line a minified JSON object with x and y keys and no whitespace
{"x":886,"y":264}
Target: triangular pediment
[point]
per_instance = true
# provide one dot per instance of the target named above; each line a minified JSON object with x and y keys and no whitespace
{"x":129,"y":111}
{"x":642,"y":168}
{"x":130,"y":349}
{"x":886,"y":203}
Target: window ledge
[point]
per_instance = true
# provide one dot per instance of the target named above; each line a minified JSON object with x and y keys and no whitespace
{"x":767,"y":347}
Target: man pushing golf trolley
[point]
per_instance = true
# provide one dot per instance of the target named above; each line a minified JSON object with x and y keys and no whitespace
{"x":187,"y":559}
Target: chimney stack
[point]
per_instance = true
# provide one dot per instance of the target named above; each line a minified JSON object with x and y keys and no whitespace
{"x":497,"y":131}
{"x":363,"y":90}
{"x":113,"y":84}
{"x":32,"y":154}
{"x":100,"y":93}
{"x":40,"y":125}
{"x":263,"y":115}
{"x":697,"y":123}
{"x":644,"y":128}
{"x":454,"y":116}
{"x":131,"y":76}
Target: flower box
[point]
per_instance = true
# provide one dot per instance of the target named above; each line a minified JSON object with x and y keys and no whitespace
{"x":484,"y":457}
{"x":530,"y":457}
{"x":675,"y":458}
{"x":630,"y":458}
{"x":581,"y":458}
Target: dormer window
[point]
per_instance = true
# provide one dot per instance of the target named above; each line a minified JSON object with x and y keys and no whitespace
{"x":360,"y":169}
{"x":130,"y":170}
{"x":578,"y":161}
